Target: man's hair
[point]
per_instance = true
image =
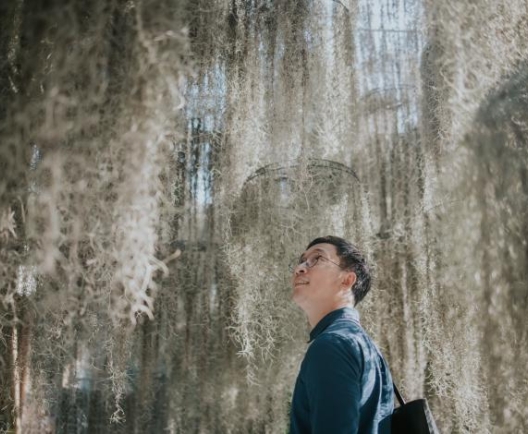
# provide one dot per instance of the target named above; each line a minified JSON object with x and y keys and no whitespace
{"x":351,"y":259}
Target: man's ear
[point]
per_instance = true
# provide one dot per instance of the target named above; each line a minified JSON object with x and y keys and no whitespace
{"x":350,"y":279}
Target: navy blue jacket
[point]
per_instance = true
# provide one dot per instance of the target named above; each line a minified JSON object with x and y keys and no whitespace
{"x":344,"y":385}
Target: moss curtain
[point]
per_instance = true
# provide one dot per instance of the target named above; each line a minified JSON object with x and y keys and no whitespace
{"x":163,"y":161}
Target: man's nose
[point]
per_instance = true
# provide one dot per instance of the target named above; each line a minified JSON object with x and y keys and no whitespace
{"x":300,"y":269}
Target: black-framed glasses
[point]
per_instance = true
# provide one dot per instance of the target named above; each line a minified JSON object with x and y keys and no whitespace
{"x":310,"y":262}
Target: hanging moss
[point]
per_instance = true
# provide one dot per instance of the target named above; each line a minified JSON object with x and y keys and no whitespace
{"x":163,"y":161}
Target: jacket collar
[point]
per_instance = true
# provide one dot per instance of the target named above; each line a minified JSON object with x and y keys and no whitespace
{"x":331,"y":317}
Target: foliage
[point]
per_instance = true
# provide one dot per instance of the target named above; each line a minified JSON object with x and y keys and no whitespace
{"x":163,"y":161}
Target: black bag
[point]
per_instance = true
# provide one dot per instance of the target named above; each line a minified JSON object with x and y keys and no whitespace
{"x":413,"y":417}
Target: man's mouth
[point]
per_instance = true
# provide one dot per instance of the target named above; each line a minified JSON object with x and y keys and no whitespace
{"x":300,"y":283}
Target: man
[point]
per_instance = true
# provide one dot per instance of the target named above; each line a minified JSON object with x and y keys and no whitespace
{"x":344,"y":384}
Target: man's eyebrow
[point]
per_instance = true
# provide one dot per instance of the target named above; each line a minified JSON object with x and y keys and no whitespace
{"x":303,"y":258}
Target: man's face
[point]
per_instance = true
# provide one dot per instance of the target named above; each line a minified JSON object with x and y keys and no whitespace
{"x":317,"y":285}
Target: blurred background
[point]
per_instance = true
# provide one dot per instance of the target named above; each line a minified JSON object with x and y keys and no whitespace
{"x":163,"y":161}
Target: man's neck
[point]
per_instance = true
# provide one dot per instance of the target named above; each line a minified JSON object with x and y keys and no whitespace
{"x":317,"y":315}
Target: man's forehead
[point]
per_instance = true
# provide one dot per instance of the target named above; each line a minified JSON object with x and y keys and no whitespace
{"x":329,"y":249}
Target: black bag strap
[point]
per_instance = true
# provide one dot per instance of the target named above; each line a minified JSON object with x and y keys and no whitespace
{"x":398,"y":394}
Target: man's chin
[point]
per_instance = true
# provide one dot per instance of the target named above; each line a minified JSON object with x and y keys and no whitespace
{"x":297,"y":297}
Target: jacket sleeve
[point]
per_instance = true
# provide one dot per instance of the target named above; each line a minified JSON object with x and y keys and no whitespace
{"x":334,"y":368}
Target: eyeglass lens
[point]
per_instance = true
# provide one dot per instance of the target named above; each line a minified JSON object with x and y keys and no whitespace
{"x":309,"y":262}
